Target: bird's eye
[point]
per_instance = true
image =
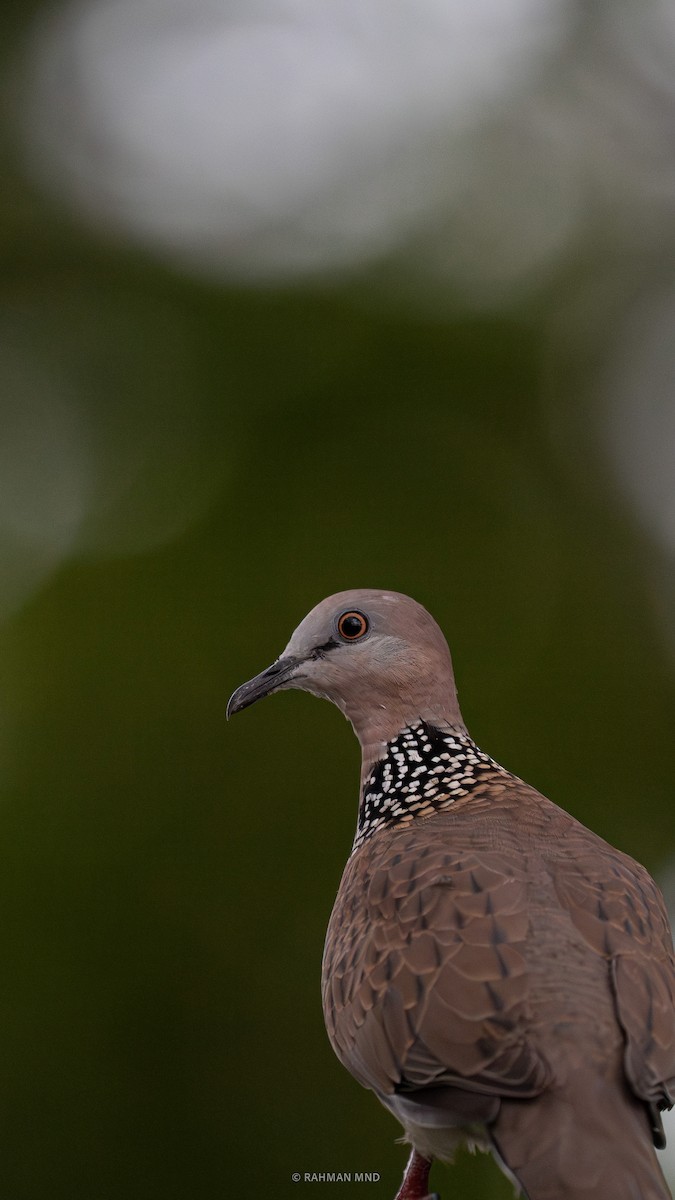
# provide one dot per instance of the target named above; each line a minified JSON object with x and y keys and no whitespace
{"x":352,"y":625}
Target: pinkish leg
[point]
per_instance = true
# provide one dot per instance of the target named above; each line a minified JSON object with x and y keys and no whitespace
{"x":415,"y":1185}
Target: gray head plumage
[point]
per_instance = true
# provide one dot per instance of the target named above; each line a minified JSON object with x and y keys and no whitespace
{"x":378,"y":655}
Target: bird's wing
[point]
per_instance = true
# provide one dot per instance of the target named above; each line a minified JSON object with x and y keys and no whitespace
{"x":425,"y":979}
{"x":619,"y":911}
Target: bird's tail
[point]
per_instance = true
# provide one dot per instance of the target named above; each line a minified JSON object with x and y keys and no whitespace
{"x":589,"y":1141}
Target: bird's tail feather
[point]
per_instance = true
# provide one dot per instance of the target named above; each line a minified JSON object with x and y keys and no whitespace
{"x":589,"y":1141}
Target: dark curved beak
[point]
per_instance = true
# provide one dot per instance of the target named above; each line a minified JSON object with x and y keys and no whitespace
{"x":262,"y":685}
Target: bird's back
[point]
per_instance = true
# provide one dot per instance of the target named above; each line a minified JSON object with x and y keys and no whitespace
{"x":499,"y":953}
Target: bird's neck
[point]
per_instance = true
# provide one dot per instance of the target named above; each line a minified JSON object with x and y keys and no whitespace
{"x":421,"y":771}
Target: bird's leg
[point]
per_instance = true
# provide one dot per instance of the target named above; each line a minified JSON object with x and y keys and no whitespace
{"x":415,"y":1185}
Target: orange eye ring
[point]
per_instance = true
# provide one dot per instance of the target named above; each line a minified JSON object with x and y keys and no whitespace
{"x":352,"y":625}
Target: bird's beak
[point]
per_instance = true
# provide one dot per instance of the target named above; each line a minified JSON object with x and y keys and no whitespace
{"x":275,"y":677}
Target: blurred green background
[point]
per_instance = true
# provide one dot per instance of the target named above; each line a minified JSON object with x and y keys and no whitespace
{"x":188,"y":464}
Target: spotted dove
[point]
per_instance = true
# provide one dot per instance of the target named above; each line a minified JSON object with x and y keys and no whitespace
{"x":496,"y":973}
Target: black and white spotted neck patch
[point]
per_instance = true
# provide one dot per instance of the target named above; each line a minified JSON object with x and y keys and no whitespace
{"x":425,"y":769}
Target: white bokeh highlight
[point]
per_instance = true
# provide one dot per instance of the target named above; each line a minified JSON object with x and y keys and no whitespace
{"x":639,"y":413}
{"x":43,"y":475}
{"x":277,"y":138}
{"x":104,"y":450}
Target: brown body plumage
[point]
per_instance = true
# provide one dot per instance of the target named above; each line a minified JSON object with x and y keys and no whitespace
{"x":493,"y":971}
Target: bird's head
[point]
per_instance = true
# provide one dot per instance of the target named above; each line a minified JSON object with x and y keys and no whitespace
{"x":379,"y":656}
